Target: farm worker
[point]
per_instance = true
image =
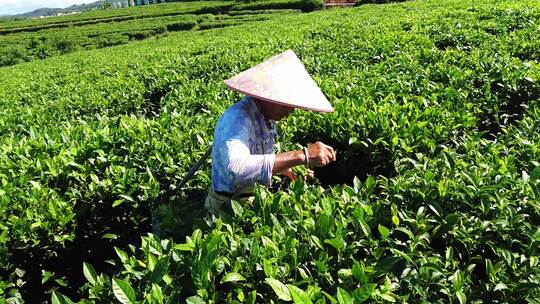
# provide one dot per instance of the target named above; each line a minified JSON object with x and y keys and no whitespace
{"x":244,"y":136}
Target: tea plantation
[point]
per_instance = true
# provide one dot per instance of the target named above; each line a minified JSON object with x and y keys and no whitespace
{"x":26,"y":40}
{"x":434,"y":197}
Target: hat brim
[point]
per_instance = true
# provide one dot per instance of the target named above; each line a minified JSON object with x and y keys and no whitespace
{"x":277,"y":101}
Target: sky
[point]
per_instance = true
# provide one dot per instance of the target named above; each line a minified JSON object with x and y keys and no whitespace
{"x":11,"y":7}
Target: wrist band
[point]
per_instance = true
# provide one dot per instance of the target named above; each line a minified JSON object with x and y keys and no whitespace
{"x":306,"y":153}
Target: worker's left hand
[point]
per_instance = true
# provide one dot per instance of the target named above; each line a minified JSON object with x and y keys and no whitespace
{"x":310,"y":175}
{"x":289,"y":173}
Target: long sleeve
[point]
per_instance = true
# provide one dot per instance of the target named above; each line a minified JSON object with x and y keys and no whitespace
{"x":247,"y":169}
{"x":242,"y":152}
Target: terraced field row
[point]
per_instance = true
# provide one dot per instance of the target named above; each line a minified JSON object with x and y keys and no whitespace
{"x":23,"y":42}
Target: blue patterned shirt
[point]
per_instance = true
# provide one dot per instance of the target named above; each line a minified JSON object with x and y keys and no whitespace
{"x":242,"y":151}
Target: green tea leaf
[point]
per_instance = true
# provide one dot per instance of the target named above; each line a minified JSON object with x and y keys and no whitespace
{"x":156,"y":294}
{"x":383,"y":231}
{"x":369,"y":184}
{"x":457,"y":280}
{"x":121,"y":254}
{"x":461,"y":297}
{"x":452,"y":219}
{"x":329,"y":297}
{"x":237,"y":208}
{"x":298,"y":295}
{"x":252,"y":297}
{"x":127,"y":198}
{"x":232,"y":277}
{"x":343,"y":297}
{"x":279,"y":288}
{"x":111,"y":236}
{"x":358,"y":273}
{"x":388,"y":297}
{"x":535,"y":174}
{"x":395,"y":220}
{"x":336,"y":243}
{"x":184,"y":247}
{"x":89,"y":273}
{"x":123,"y":291}
{"x":428,"y":176}
{"x":364,"y":292}
{"x":268,"y":243}
{"x":46,"y":276}
{"x":489,"y":268}
{"x":365,"y":228}
{"x":357,"y":184}
{"x":344,"y":273}
{"x":195,"y":300}
{"x":118,"y":202}
{"x":358,"y":212}
{"x":533,"y":261}
{"x":160,"y":269}
{"x":61,"y":282}
{"x":36,"y":185}
{"x":500,"y":286}
{"x":58,"y":298}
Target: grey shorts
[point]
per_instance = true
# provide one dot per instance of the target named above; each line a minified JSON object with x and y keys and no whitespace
{"x":216,"y":203}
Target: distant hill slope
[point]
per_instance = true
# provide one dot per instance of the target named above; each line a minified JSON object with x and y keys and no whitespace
{"x":55,"y":11}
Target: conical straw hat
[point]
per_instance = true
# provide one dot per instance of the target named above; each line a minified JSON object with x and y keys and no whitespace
{"x":284,"y":80}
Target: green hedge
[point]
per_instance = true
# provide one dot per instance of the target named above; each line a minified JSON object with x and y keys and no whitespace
{"x":217,"y":24}
{"x":303,"y":5}
{"x":181,"y":26}
{"x":360,"y":2}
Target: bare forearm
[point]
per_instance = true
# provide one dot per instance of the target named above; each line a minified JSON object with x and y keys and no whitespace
{"x":286,"y":160}
{"x":319,"y":155}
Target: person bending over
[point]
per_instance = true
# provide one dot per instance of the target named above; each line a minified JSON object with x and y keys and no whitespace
{"x":244,"y":136}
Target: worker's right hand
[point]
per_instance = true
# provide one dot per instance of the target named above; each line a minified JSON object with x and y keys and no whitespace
{"x":320,"y":154}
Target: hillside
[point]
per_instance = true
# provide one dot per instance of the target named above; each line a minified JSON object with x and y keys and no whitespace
{"x":46,"y":11}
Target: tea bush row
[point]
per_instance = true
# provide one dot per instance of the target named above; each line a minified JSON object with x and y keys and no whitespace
{"x":25,"y":44}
